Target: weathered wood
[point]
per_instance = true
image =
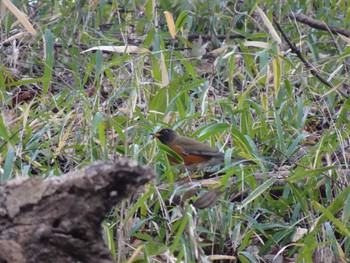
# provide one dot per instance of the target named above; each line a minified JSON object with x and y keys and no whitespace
{"x":58,"y":219}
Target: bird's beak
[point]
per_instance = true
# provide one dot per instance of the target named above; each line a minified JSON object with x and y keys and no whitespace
{"x":155,"y":134}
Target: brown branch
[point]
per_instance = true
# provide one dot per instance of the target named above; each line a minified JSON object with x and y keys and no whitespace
{"x":307,"y":63}
{"x":318,"y":24}
{"x":59,"y":219}
{"x":300,"y":56}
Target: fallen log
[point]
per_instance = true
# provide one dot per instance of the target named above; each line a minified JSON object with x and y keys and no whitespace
{"x":58,"y":219}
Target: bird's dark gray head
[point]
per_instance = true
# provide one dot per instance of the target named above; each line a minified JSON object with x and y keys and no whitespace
{"x":166,"y":136}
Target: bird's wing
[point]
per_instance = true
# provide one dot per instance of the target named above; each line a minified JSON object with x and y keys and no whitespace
{"x":193,"y":147}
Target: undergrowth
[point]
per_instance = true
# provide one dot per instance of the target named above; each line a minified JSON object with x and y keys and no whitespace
{"x":223,"y":80}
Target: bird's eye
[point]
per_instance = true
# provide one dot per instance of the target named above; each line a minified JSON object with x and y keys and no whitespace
{"x":166,"y":132}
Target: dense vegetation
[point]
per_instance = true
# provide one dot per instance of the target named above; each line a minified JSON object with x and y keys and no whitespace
{"x":224,"y":76}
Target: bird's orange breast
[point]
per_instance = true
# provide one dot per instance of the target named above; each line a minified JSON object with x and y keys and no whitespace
{"x":189,"y":159}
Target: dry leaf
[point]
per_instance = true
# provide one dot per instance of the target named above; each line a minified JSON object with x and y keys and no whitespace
{"x":20,"y":16}
{"x":346,"y":39}
{"x":299,"y":234}
{"x":268,"y":24}
{"x":163,"y":69}
{"x":171,"y":24}
{"x":119,"y":49}
{"x":256,"y":44}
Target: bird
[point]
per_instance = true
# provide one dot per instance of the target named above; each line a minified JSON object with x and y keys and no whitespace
{"x":196,"y":155}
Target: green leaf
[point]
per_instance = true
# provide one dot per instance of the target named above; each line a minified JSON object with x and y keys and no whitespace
{"x":280,"y":133}
{"x":246,"y":257}
{"x":98,"y":66}
{"x":157,"y":109}
{"x":49,"y":61}
{"x":304,"y":173}
{"x":345,"y":54}
{"x":240,"y":139}
{"x":149,"y":10}
{"x":329,"y":215}
{"x":346,"y":213}
{"x":336,"y":205}
{"x":141,"y":200}
{"x":155,"y":248}
{"x":189,"y":67}
{"x":180,"y":231}
{"x":109,"y":238}
{"x":258,"y":191}
{"x":25,"y":82}
{"x":181,"y":19}
{"x":3,"y":73}
{"x":102,"y":138}
{"x":8,"y":166}
{"x":98,"y":118}
{"x":3,"y":130}
{"x":138,"y":225}
{"x":294,"y":145}
{"x":211,"y":129}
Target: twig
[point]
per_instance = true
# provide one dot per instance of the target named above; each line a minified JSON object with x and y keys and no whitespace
{"x":318,"y":24}
{"x":306,"y":63}
{"x":300,"y":56}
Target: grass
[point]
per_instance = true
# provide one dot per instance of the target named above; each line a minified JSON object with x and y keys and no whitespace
{"x":252,"y":100}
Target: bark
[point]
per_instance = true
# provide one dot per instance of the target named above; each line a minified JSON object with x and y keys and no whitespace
{"x":58,"y":219}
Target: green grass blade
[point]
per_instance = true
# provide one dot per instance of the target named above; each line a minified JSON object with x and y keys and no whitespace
{"x":257,"y":192}
{"x":49,"y":55}
{"x":328,"y":214}
{"x":8,"y":166}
